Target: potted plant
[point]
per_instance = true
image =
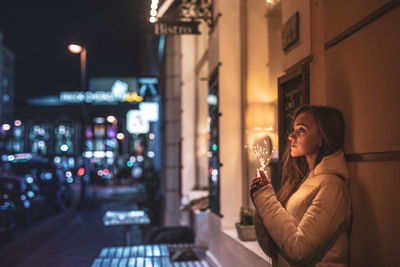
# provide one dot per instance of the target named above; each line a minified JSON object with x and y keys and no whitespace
{"x":245,"y":228}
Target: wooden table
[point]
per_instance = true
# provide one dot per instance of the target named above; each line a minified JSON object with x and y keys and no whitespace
{"x":126,"y":219}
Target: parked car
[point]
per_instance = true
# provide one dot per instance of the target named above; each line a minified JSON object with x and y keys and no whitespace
{"x":44,"y":179}
{"x":13,"y":191}
{"x":7,"y":220}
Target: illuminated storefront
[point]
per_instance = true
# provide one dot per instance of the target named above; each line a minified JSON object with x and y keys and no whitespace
{"x":120,"y":111}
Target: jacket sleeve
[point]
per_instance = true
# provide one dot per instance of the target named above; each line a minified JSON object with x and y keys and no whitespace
{"x":301,"y":241}
{"x":263,"y":238}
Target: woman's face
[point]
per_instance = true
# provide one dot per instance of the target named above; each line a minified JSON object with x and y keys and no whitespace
{"x":305,"y":138}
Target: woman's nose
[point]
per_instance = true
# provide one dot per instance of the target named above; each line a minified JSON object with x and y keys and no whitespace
{"x":291,"y":136}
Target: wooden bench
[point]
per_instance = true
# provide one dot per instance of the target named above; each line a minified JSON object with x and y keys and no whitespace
{"x":132,"y":262}
{"x":156,"y":250}
{"x":155,"y":255}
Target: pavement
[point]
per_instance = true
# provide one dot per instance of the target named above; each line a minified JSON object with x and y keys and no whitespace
{"x":73,"y":237}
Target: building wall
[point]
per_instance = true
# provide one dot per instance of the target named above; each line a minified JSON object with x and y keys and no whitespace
{"x":303,"y":48}
{"x":188,"y":49}
{"x":317,"y":65}
{"x":264,"y":58}
{"x":362,"y":80}
{"x":230,"y":105}
{"x":201,"y":107}
{"x":239,"y":42}
{"x":359,"y":76}
{"x":172,"y":132}
{"x":194,"y":111}
{"x":228,"y":250}
{"x":7,"y":90}
{"x":355,"y":75}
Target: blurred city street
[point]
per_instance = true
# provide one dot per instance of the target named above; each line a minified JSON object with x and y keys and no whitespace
{"x":139,"y":126}
{"x":73,"y":237}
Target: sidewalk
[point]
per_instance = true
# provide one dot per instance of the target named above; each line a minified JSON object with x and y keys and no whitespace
{"x":71,"y":238}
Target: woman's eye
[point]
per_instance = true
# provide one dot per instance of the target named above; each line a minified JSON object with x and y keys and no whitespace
{"x":301,"y":130}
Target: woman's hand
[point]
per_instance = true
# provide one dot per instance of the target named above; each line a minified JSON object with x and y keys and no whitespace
{"x":261,"y":180}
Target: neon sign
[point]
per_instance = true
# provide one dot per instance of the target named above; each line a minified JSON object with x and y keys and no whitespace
{"x":119,"y":93}
{"x":104,"y":91}
{"x":76,"y":97}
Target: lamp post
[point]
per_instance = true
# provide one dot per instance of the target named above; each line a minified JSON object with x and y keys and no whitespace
{"x":80,"y":49}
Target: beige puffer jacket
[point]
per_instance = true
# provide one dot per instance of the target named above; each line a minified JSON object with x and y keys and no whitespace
{"x":312,"y":230}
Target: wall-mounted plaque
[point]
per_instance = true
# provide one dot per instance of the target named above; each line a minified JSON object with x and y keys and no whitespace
{"x":290,"y":32}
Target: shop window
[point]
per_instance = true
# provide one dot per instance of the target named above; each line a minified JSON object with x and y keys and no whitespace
{"x":213,"y":143}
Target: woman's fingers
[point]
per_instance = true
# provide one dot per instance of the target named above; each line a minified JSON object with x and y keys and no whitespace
{"x":260,"y":180}
{"x":256,"y":180}
{"x":257,"y":184}
{"x":264,"y":176}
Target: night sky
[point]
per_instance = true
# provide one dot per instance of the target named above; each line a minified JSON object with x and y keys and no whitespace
{"x":39,"y":33}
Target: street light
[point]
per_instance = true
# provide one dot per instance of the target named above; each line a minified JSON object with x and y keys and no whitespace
{"x":80,"y":49}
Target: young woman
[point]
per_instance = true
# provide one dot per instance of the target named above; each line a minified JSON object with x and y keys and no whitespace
{"x":307,"y":223}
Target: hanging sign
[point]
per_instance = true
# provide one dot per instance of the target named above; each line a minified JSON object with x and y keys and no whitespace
{"x":136,"y":123}
{"x":177,"y":27}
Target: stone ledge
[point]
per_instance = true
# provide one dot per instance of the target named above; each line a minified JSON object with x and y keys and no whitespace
{"x":252,"y":246}
{"x":235,"y":253}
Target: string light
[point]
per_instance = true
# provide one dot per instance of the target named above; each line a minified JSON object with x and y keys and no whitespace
{"x":153,"y":11}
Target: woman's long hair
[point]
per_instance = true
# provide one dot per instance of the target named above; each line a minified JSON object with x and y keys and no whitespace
{"x":330,"y":124}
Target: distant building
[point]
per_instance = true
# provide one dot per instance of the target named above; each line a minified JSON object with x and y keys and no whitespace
{"x":7,"y":90}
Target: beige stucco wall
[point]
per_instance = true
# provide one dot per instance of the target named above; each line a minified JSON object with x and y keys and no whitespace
{"x":258,"y":77}
{"x":375,"y":232}
{"x":244,"y":52}
{"x":303,"y":47}
{"x":362,"y":80}
{"x":188,"y":49}
{"x":263,"y":66}
{"x":225,"y":249}
{"x":230,"y":107}
{"x":340,"y":14}
{"x":194,"y":110}
{"x":317,"y":65}
{"x":172,"y":132}
{"x":201,"y":106}
{"x":358,"y":75}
